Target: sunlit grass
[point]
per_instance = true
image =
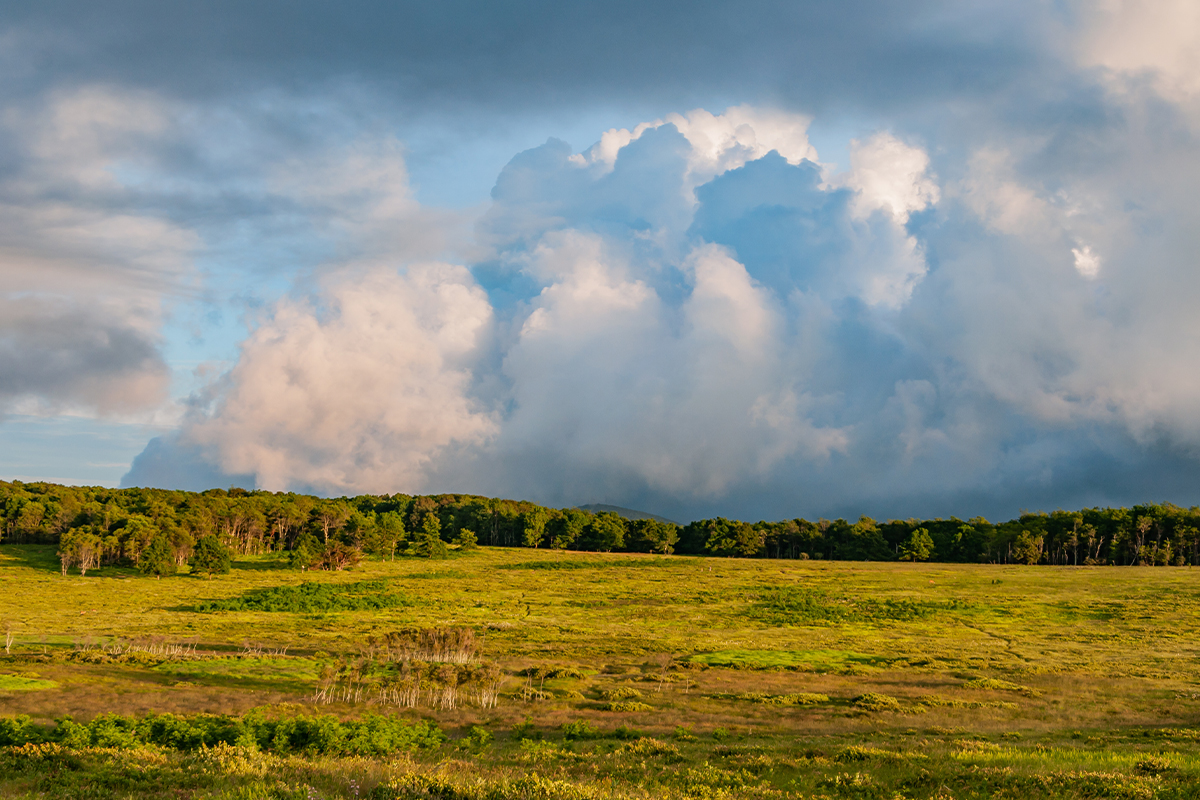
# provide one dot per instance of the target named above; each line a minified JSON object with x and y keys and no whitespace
{"x":998,"y":673}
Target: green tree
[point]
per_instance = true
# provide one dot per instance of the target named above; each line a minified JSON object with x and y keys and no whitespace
{"x":305,"y":551}
{"x":466,"y":539}
{"x":566,"y":527}
{"x":138,"y":534}
{"x":652,"y":536}
{"x":533,"y":526}
{"x":210,"y":557}
{"x":1027,"y":548}
{"x":429,"y":538}
{"x":918,"y":546}
{"x":158,"y":558}
{"x":389,"y":533}
{"x":604,"y":532}
{"x":733,"y":538}
{"x":79,"y":547}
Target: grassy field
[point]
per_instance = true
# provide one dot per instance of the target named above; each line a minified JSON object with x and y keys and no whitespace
{"x":639,"y":676}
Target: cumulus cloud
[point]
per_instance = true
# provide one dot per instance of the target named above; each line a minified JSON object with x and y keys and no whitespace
{"x":654,"y":352}
{"x":608,"y":376}
{"x":718,"y":142}
{"x":359,"y":394}
{"x":991,"y":308}
{"x":697,"y":315}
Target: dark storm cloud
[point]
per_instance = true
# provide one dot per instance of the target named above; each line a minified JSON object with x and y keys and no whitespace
{"x":522,"y":54}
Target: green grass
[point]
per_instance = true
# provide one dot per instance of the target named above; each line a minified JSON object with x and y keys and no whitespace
{"x":804,"y":679}
{"x":24,"y":683}
{"x":813,"y":660}
{"x":258,"y":669}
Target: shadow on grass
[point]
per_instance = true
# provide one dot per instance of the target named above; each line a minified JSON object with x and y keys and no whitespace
{"x":260,"y":564}
{"x":44,"y":558}
{"x":592,"y":564}
{"x":34,"y":556}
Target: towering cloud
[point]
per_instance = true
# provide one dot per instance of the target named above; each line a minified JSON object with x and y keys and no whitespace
{"x":360,"y":394}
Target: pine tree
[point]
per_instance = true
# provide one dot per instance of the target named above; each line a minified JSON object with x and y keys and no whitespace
{"x":429,"y":538}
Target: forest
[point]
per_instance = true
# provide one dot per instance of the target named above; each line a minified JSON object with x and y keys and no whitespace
{"x":160,"y":531}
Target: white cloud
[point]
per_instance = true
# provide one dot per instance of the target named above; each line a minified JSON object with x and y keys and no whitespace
{"x":1087,"y":263}
{"x":607,"y":376}
{"x":719,"y":142}
{"x":1144,"y":40}
{"x":361,"y":394}
{"x":891,"y":176}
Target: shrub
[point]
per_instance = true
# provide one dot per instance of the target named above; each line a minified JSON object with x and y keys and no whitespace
{"x":796,"y":699}
{"x":580,"y":729}
{"x":308,"y":598}
{"x":1154,"y":765}
{"x":479,"y":736}
{"x":621,"y":693}
{"x":373,"y":735}
{"x":873,"y":701}
{"x":627,"y":706}
{"x":1002,"y":686}
{"x":20,"y":730}
{"x":860,"y":753}
{"x":647,"y":746}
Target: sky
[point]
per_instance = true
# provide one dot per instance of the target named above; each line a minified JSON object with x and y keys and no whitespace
{"x":759,"y":260}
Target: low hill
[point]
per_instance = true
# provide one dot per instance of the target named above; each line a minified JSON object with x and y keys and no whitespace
{"x":627,"y":513}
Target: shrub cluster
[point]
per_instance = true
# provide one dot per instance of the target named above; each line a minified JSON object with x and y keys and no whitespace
{"x":324,"y":735}
{"x":313,"y":598}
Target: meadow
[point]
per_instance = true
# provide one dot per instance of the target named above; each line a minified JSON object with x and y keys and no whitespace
{"x":599,"y":675}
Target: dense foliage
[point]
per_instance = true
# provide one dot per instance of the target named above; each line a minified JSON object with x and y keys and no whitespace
{"x":160,"y":530}
{"x":325,"y":735}
{"x":309,"y":598}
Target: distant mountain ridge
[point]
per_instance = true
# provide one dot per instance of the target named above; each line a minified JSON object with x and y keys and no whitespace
{"x":627,"y":513}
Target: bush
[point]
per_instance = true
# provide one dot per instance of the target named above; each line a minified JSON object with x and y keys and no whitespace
{"x":627,"y":706}
{"x":374,"y":735}
{"x":308,"y":598}
{"x":647,"y":746}
{"x":580,"y":729}
{"x":17,"y":731}
{"x":873,"y":701}
{"x":479,"y":736}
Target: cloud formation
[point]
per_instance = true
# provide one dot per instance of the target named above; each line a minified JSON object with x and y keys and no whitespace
{"x":701,"y":315}
{"x":986,"y":305}
{"x":86,"y":274}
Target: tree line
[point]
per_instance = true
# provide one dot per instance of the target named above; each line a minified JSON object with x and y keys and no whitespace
{"x":161,"y":530}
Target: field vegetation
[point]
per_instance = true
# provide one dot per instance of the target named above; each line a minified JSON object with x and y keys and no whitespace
{"x":531,"y":673}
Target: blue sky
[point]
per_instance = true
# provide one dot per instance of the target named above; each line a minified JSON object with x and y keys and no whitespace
{"x":765,"y":260}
